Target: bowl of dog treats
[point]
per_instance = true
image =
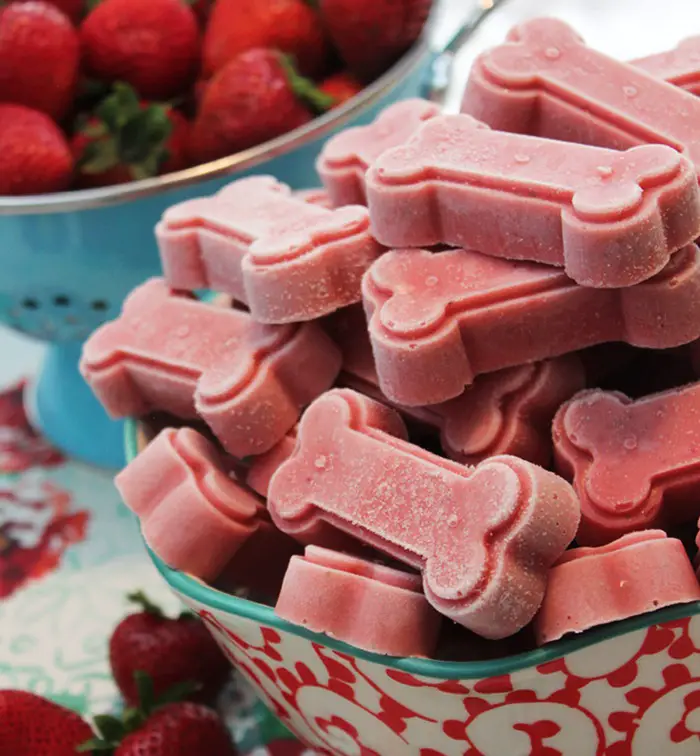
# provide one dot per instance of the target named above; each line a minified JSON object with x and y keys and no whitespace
{"x":427,"y":461}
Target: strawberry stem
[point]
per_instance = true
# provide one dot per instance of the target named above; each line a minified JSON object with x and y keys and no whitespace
{"x":304,"y":88}
{"x":144,"y":603}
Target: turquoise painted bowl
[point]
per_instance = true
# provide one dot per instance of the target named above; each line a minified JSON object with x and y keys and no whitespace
{"x":627,"y":689}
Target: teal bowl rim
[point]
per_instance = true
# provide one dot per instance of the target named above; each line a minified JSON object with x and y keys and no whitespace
{"x":442,"y":670}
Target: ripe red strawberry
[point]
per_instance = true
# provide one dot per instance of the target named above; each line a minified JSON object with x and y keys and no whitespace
{"x":31,"y":725}
{"x":179,"y":729}
{"x":372,"y":34}
{"x":170,"y":651}
{"x":291,"y":26}
{"x":255,"y":97}
{"x":74,"y":9}
{"x":39,"y":57}
{"x":154,"y":45}
{"x":341,"y":87}
{"x":126,"y":140}
{"x":34,"y":155}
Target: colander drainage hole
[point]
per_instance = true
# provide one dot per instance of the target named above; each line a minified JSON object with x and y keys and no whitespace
{"x":30,"y":304}
{"x":61,"y":300}
{"x":99,"y":304}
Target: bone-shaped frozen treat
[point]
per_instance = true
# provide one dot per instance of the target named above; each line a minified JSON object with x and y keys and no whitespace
{"x":637,"y":573}
{"x":192,"y":514}
{"x":437,"y":320}
{"x":373,"y":607}
{"x":484,"y":537}
{"x":610,"y":218}
{"x":287,"y":259}
{"x":345,"y":157}
{"x":634,"y":464}
{"x":506,"y":412}
{"x":544,"y":80}
{"x":247,"y":381}
{"x":679,"y":66}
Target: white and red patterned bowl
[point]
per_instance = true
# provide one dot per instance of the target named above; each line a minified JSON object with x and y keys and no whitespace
{"x":627,"y":689}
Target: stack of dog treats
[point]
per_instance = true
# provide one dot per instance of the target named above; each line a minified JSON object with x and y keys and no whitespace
{"x":458,"y":382}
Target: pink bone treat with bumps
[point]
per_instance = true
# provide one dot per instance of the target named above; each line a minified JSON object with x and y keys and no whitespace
{"x":484,"y":537}
{"x":679,"y":66}
{"x":638,"y":573}
{"x":373,"y":607}
{"x":315,"y":197}
{"x":193,"y":515}
{"x":287,"y":259}
{"x":172,"y":353}
{"x":345,"y":157}
{"x":635,"y":464}
{"x":610,"y":218}
{"x":544,"y":80}
{"x":436,"y":320}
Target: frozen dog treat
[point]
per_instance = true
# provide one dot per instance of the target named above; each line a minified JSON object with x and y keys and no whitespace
{"x":484,"y":537}
{"x":437,"y":320}
{"x":175,"y":354}
{"x":506,"y":412}
{"x":315,"y":197}
{"x":376,"y":608}
{"x":635,"y":464}
{"x":264,"y":466}
{"x":638,"y":573}
{"x":288,"y":260}
{"x":346,"y":157}
{"x":680,"y":66}
{"x":193,"y":515}
{"x":544,"y":80}
{"x":610,"y":218}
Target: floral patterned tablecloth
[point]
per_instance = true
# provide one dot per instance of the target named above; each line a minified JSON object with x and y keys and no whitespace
{"x":69,"y":553}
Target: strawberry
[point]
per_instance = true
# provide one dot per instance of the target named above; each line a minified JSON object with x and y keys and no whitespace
{"x":341,"y":87}
{"x":161,"y":726}
{"x":31,"y":725}
{"x":371,"y":35}
{"x":34,"y":155}
{"x":255,"y":97}
{"x":154,"y":45}
{"x":170,"y":651}
{"x":126,"y":140}
{"x":39,"y":57}
{"x":74,"y":9}
{"x":291,"y":26}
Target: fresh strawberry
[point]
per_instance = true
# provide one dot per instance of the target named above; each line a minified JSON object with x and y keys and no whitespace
{"x":255,"y":97}
{"x":126,"y":140}
{"x":161,"y":726}
{"x":74,"y":9}
{"x":154,"y":45}
{"x":201,"y":9}
{"x":291,"y":26}
{"x":31,"y":725}
{"x":170,"y":651}
{"x":39,"y":57}
{"x":370,"y":35}
{"x":341,"y":87}
{"x":34,"y":155}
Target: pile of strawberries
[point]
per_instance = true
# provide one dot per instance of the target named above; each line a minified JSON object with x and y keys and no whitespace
{"x":101,"y":92}
{"x":167,"y":669}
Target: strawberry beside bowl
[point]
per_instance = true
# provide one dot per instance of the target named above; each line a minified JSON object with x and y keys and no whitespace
{"x":69,"y":258}
{"x":631,"y":688}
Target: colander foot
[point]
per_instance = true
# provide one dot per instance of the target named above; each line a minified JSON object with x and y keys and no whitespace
{"x":64,"y":410}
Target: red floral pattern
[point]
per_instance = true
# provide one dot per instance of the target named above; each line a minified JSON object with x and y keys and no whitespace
{"x":636,"y":695}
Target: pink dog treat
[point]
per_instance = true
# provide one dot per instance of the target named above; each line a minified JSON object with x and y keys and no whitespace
{"x":638,"y":573}
{"x":439,"y":319}
{"x":635,"y":464}
{"x":192,"y":514}
{"x":680,"y":66}
{"x":264,"y":466}
{"x":376,"y":608}
{"x":544,"y":80}
{"x":506,"y":412}
{"x":176,"y":354}
{"x":484,"y":537}
{"x":287,"y":259}
{"x":346,"y":157}
{"x":315,"y":197}
{"x":610,"y":218}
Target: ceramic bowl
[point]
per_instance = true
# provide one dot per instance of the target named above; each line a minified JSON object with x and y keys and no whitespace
{"x":627,"y":689}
